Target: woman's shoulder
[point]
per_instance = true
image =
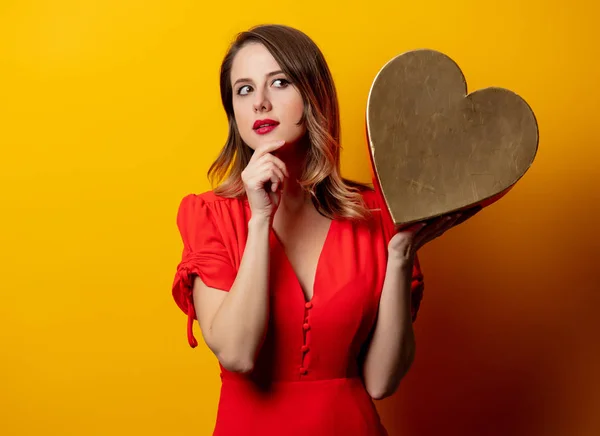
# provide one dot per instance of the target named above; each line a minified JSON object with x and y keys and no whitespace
{"x":208,"y":197}
{"x":210,"y":201}
{"x":369,"y":195}
{"x":375,"y":203}
{"x":370,"y":198}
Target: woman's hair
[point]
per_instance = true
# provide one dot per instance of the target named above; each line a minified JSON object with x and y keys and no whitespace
{"x":304,"y":64}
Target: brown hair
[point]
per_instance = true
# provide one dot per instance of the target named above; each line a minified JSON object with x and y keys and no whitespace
{"x":303,"y":62}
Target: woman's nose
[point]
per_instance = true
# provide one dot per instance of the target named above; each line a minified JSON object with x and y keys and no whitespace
{"x":261,"y":102}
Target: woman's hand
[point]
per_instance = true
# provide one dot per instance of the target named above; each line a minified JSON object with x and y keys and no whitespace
{"x":263,"y":180}
{"x":407,"y":241}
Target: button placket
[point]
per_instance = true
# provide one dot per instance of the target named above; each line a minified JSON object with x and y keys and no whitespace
{"x":303,"y":370}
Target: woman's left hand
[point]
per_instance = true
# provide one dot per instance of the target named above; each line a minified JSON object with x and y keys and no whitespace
{"x":408,"y":240}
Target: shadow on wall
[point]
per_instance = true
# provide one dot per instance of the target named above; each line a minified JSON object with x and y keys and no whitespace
{"x":510,"y":351}
{"x":465,"y":385}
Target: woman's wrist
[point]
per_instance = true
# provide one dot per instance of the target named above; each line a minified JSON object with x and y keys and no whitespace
{"x":259,"y":223}
{"x":401,"y":261}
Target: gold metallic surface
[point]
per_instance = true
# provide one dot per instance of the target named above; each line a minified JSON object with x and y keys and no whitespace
{"x":435,"y":149}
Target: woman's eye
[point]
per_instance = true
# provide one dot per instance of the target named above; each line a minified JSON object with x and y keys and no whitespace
{"x":244,"y":90}
{"x":280,"y":83}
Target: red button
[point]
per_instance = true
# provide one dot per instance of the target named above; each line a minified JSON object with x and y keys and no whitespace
{"x":306,"y":327}
{"x":304,"y":348}
{"x":303,"y":370}
{"x":308,"y":305}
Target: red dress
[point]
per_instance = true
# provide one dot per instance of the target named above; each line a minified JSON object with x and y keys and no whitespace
{"x":307,"y":378}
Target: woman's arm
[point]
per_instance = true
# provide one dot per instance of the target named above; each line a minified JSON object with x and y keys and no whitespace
{"x":233,"y":323}
{"x":392,"y":347}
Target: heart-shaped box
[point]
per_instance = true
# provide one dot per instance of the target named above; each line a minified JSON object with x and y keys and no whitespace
{"x":434,"y":148}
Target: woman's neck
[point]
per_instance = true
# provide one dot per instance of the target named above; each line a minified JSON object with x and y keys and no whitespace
{"x":294,"y":199}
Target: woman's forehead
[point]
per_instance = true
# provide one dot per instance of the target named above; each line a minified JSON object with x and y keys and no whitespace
{"x":253,"y":61}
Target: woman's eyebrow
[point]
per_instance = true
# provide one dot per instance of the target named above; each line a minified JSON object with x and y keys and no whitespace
{"x":244,"y":79}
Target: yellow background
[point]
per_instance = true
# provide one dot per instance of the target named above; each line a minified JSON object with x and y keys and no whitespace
{"x":110,"y":114}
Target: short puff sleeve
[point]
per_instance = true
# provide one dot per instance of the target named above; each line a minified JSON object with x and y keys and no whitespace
{"x":204,"y":255}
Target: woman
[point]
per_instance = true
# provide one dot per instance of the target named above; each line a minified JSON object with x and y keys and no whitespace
{"x":301,"y":286}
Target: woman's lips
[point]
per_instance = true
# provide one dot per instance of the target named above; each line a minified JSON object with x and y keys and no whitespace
{"x":266,"y":129}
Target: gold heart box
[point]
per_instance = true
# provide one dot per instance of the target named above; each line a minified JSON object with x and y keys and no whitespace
{"x":434,"y":148}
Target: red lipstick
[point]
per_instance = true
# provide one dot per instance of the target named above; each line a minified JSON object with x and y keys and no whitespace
{"x":265,"y":126}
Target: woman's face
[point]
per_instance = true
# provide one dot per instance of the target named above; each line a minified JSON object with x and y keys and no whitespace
{"x":266,"y":106}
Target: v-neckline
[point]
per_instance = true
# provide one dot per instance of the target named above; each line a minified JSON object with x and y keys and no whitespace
{"x":317,"y":268}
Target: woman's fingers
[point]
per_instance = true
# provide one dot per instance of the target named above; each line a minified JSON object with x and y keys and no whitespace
{"x":468,"y":214}
{"x":276,"y":161}
{"x":274,"y":176}
{"x":435,"y":229}
{"x":267,"y":147}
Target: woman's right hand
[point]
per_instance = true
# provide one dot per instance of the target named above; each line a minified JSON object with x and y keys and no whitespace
{"x":263,"y":180}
